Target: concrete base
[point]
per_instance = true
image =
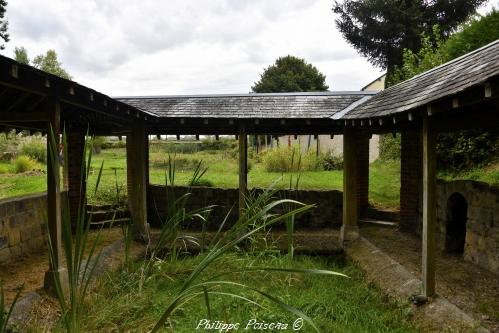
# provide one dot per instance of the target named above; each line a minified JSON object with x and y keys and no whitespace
{"x":49,"y":281}
{"x":438,"y":315}
{"x":348,"y":233}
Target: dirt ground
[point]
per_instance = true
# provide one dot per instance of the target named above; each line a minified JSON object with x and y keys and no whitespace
{"x":29,"y":270}
{"x":471,"y":288}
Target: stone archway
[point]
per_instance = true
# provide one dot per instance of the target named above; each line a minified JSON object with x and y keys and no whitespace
{"x":457,"y":216}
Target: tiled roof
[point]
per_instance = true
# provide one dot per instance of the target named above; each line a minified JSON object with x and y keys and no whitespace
{"x":443,"y":81}
{"x":253,"y":105}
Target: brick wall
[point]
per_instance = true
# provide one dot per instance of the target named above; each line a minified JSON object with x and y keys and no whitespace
{"x":327,"y":213}
{"x":22,"y":228}
{"x":410,"y":180}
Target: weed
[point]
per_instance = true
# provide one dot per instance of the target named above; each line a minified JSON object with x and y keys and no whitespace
{"x":23,"y":164}
{"x":5,"y":311}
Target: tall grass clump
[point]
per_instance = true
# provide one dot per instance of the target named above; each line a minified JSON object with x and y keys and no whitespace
{"x":259,"y":216}
{"x":35,"y":147}
{"x":6,"y":311}
{"x":23,"y":164}
{"x":284,"y":159}
{"x":79,"y":252}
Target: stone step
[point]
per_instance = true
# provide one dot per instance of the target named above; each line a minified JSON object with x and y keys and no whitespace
{"x":379,"y":222}
{"x":383,"y":214}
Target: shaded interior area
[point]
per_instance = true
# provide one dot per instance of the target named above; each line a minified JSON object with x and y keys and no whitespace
{"x":457,"y":215}
{"x":465,"y":284}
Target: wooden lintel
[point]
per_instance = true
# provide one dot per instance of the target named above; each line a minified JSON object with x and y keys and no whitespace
{"x":17,"y":102}
{"x":22,"y":117}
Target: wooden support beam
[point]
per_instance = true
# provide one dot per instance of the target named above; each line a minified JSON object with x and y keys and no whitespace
{"x":54,"y":205}
{"x":22,"y":117}
{"x":243,"y":169}
{"x":349,"y":229}
{"x":429,"y":208}
{"x":137,"y":179}
{"x":75,"y":172}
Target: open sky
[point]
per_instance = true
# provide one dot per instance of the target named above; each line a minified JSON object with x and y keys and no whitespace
{"x":160,"y":47}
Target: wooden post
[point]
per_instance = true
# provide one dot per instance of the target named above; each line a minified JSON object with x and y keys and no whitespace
{"x":349,"y":229}
{"x":137,"y":179}
{"x":243,"y":169}
{"x":429,"y":207}
{"x":54,"y":206}
{"x":75,"y":166}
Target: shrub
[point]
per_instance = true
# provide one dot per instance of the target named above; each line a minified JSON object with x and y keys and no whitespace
{"x":465,"y":150}
{"x":9,"y":143}
{"x":4,"y":169}
{"x":97,"y":143}
{"x":113,"y":144}
{"x":221,"y":144}
{"x":24,"y":163}
{"x":389,"y":147}
{"x":330,"y":161}
{"x":36,"y":148}
{"x":201,"y":182}
{"x":286,"y":159}
{"x":175,"y":147}
{"x":182,"y":163}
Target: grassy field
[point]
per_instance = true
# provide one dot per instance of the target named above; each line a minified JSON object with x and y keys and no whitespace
{"x":335,"y":304}
{"x":222,"y":172}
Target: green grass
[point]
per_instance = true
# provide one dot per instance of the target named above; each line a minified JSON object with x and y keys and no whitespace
{"x":336,"y":304}
{"x":488,"y":174}
{"x":222,"y":172}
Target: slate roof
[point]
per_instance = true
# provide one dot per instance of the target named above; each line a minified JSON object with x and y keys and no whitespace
{"x":446,"y":80}
{"x":253,"y":105}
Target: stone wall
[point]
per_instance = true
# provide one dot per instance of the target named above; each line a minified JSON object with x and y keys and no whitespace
{"x":326,"y":214}
{"x":22,"y":228}
{"x":482,"y":226}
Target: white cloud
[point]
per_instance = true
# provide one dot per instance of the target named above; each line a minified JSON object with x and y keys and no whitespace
{"x":149,"y":47}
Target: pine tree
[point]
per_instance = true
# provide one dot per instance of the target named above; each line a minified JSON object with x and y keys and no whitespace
{"x":4,"y":24}
{"x":382,"y":29}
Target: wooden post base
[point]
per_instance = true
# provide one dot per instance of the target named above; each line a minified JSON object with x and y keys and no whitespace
{"x":142,"y":233}
{"x":49,"y":281}
{"x":348,"y":233}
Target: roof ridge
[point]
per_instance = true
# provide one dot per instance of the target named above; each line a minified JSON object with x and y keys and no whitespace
{"x":311,"y":93}
{"x":466,"y":55}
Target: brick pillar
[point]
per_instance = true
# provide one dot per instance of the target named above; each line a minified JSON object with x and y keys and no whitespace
{"x":77,"y":186}
{"x":362,"y":161}
{"x":410,"y":179}
{"x":349,"y":228}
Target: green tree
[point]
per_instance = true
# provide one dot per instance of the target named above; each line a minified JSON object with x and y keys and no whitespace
{"x":463,"y":149}
{"x":21,"y":55}
{"x":478,"y":32}
{"x":290,"y":74}
{"x":47,"y":62}
{"x":4,"y":24}
{"x":50,"y":64}
{"x":380,"y":30}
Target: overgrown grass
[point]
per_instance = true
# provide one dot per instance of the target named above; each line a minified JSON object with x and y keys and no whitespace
{"x":222,"y":172}
{"x":488,"y":174}
{"x":290,"y":159}
{"x":334,"y":303}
